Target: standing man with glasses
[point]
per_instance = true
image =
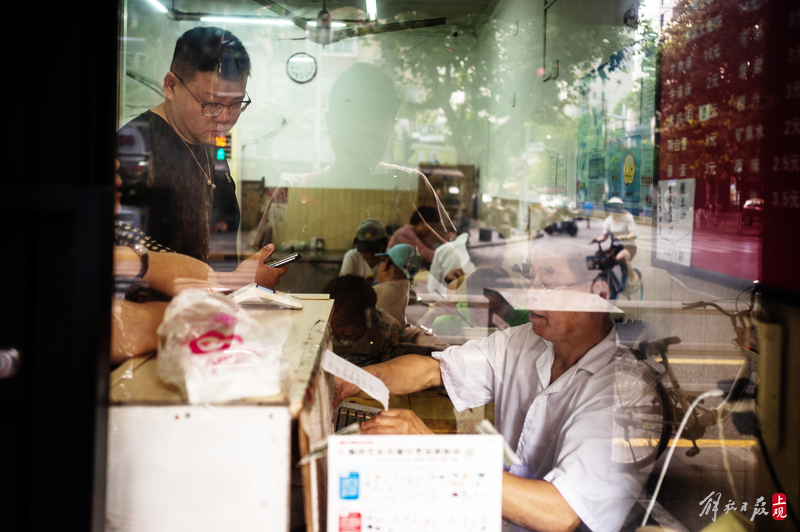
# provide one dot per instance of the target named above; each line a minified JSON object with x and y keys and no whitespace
{"x":169,"y":169}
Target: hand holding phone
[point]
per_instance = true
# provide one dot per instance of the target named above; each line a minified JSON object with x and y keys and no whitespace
{"x":281,"y":262}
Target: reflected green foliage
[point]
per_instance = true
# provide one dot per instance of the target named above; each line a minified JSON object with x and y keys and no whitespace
{"x":488,"y":87}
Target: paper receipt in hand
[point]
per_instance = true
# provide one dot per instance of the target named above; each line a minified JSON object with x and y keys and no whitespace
{"x":371,"y":385}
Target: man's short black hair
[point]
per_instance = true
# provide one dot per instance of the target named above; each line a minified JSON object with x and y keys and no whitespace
{"x":353,"y":295}
{"x":210,"y":50}
{"x":429,"y":214}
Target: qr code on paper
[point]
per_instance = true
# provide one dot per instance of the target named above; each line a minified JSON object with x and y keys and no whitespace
{"x":348,"y":486}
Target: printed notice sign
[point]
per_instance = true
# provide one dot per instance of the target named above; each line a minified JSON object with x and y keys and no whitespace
{"x":451,"y":482}
{"x":552,"y":175}
{"x":675,"y":221}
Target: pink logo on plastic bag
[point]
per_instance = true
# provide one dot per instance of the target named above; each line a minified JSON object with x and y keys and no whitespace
{"x":212,"y":341}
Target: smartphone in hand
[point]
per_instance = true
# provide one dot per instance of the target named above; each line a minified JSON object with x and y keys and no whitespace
{"x":280,"y":262}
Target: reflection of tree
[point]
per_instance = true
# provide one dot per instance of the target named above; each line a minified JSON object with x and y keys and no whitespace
{"x":711,"y":71}
{"x":639,"y":60}
{"x":471,"y":80}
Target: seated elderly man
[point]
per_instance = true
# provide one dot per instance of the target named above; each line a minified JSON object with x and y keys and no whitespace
{"x":363,"y":333}
{"x":552,"y":383}
{"x":362,"y":260}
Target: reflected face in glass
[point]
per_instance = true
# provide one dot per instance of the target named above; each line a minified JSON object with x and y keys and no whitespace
{"x":185,"y":110}
{"x":552,"y":270}
{"x":344,"y":327}
{"x":360,"y":137}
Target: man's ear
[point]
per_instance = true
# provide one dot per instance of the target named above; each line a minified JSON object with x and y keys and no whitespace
{"x":169,"y":85}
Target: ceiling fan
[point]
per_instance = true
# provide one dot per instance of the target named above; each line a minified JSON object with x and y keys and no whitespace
{"x":322,"y":31}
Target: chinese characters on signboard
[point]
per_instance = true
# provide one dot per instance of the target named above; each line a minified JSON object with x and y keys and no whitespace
{"x":674,"y":221}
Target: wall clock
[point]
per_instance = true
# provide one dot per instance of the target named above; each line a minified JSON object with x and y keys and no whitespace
{"x":301,"y":67}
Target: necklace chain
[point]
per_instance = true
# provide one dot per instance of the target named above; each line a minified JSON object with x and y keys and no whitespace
{"x":207,"y":174}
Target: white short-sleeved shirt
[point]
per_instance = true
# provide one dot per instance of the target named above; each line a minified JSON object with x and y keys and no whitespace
{"x":561,"y":431}
{"x":447,"y":258}
{"x":618,"y":226}
{"x":354,"y":264}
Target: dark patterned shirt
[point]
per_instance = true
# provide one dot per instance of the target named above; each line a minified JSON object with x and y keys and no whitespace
{"x":127,"y":235}
{"x":170,"y":179}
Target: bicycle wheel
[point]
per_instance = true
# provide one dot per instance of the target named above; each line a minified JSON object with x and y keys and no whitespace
{"x":633,"y":290}
{"x":641,"y":414}
{"x":641,"y":283}
{"x":601,"y":287}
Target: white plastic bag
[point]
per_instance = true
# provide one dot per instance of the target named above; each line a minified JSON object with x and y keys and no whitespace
{"x":214,"y":352}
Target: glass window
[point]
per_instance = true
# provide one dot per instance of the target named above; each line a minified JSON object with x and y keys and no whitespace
{"x":452,"y":171}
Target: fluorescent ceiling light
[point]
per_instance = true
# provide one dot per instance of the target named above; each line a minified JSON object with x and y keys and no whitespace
{"x":262,"y":21}
{"x":313,"y":24}
{"x":158,"y":5}
{"x":247,"y":20}
{"x":372,"y":9}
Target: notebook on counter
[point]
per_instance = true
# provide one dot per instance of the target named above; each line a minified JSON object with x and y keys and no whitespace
{"x":255,"y":296}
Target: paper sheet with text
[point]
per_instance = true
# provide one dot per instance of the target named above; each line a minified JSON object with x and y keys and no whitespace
{"x":371,"y":385}
{"x":442,"y":483}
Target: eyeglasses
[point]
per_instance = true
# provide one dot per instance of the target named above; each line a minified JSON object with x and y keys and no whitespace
{"x":213,"y":109}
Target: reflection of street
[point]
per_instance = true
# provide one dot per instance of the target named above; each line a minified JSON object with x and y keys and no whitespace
{"x":691,"y":479}
{"x":738,"y":255}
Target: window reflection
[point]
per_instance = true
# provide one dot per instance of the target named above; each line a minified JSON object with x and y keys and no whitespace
{"x":580,"y":156}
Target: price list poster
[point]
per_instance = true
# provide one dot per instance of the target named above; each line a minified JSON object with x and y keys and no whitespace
{"x":730,"y":125}
{"x":782,"y":146}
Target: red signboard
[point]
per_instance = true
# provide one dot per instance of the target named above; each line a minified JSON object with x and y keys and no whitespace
{"x":730,"y":121}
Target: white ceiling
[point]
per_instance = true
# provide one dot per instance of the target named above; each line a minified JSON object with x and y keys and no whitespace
{"x":465,"y":13}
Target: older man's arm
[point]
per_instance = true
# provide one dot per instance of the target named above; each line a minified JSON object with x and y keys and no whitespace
{"x":402,"y":375}
{"x":536,"y":505}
